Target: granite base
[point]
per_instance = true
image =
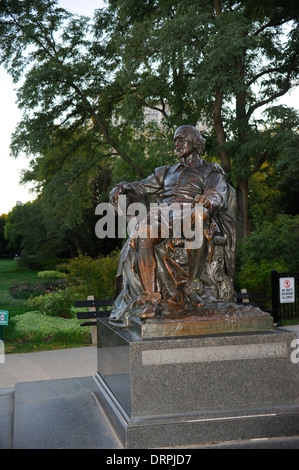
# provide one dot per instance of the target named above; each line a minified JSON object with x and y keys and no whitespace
{"x":199,"y":389}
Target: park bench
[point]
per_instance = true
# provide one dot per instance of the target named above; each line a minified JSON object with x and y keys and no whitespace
{"x":248,"y":298}
{"x":251,"y":298}
{"x":92,"y":313}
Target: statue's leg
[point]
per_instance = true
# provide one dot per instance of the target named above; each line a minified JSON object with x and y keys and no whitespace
{"x":149,"y":234}
{"x":147,"y":264}
{"x":196,"y":259}
{"x":197,"y":256}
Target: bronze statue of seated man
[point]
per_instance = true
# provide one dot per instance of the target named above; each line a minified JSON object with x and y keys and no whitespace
{"x":161,"y":273}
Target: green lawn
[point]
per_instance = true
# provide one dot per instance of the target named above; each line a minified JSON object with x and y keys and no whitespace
{"x":11,"y":275}
{"x":28,"y":330}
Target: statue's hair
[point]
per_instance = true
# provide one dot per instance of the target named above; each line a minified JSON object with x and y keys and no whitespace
{"x":195,"y":136}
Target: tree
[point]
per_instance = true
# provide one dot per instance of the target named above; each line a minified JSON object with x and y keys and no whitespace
{"x":216,"y":60}
{"x":272,"y":245}
{"x":5,"y":252}
{"x":66,"y":76}
{"x":199,"y":57}
{"x":284,"y":123}
{"x":25,"y":233}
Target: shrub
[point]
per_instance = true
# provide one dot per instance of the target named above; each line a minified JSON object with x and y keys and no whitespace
{"x":256,"y":277}
{"x":63,"y":268}
{"x":50,"y":275}
{"x":273,"y":245}
{"x":26,"y":290}
{"x":277,"y":241}
{"x":31,"y":262}
{"x":51,"y":264}
{"x":17,"y":269}
{"x":54,"y":304}
{"x":7,"y":300}
{"x":96,"y":276}
{"x":39,"y":327}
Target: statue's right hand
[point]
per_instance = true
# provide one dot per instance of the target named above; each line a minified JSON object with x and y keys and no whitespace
{"x":115,"y":192}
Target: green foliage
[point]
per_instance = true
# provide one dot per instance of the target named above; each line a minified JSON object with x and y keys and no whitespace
{"x":37,"y":327}
{"x":96,"y":276}
{"x":50,"y":264}
{"x":281,"y":148}
{"x":11,"y":275}
{"x":27,"y":290}
{"x":152,"y":147}
{"x":256,"y":277}
{"x":32,"y":262}
{"x":15,"y":309}
{"x":28,"y":236}
{"x":55,"y":304}
{"x":8,"y":301}
{"x":84,"y":84}
{"x":63,"y":267}
{"x":50,"y":275}
{"x":277,"y":240}
{"x":272,"y":245}
{"x":5,"y":252}
{"x":264,"y":197}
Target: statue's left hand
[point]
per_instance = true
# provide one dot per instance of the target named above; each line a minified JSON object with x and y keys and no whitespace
{"x":204,"y":200}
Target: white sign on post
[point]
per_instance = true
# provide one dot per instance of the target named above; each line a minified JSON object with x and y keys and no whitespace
{"x":287,"y":290}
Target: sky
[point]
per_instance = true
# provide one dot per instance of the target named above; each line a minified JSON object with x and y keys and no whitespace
{"x":11,"y":191}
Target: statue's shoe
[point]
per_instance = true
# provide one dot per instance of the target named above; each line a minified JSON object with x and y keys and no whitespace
{"x":152,"y":299}
{"x":149,"y":311}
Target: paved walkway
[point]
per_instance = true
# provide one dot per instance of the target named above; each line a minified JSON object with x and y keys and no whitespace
{"x":46,"y":365}
{"x":293,"y":328}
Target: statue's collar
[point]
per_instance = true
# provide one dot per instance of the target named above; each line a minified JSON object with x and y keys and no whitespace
{"x":187,"y":161}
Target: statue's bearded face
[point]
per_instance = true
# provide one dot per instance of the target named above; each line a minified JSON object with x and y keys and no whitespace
{"x":184,"y":144}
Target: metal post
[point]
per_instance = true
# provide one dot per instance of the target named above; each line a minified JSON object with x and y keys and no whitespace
{"x":274,"y":283}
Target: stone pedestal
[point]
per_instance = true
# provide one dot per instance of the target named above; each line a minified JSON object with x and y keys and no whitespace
{"x":210,"y":319}
{"x":186,"y":391}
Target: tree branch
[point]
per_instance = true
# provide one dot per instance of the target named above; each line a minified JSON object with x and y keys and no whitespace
{"x":268,"y":100}
{"x":277,"y":94}
{"x":272,"y":23}
{"x":90,"y":167}
{"x":162,"y":111}
{"x":96,"y":115}
{"x":262,"y":160}
{"x":264,"y":72}
{"x":100,"y":122}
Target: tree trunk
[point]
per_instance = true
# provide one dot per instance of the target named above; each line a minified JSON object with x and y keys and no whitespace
{"x":220,"y":133}
{"x":243,"y":181}
{"x":217,"y":115}
{"x":177,"y":73}
{"x":242,"y":217}
{"x":218,"y":7}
